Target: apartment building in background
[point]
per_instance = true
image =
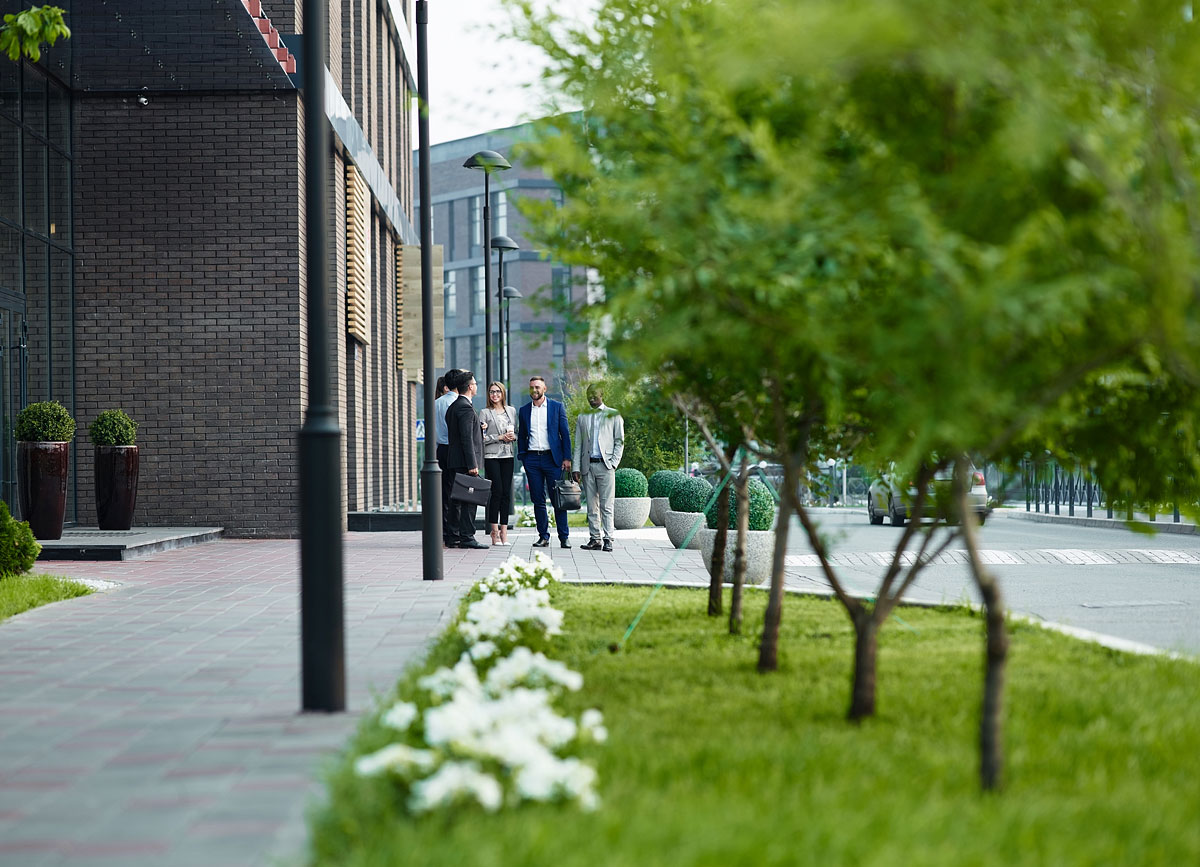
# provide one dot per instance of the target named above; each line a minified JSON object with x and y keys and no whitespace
{"x":152,"y":250}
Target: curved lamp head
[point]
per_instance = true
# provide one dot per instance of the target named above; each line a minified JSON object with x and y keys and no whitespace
{"x":512,"y":292}
{"x":503,"y":242}
{"x":488,"y":161}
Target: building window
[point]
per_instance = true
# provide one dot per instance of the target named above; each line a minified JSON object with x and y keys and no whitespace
{"x":451,"y":247}
{"x":560,"y":348}
{"x":451,"y":291}
{"x":499,"y":213}
{"x":474,"y":208}
{"x":560,"y":284}
{"x":477,"y":357}
{"x":478,"y":291}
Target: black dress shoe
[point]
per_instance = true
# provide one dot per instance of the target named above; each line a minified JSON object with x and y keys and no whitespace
{"x":471,"y":543}
{"x":593,"y":545}
{"x":449,"y":544}
{"x":542,"y":543}
{"x":607,"y":545}
{"x":564,"y":543}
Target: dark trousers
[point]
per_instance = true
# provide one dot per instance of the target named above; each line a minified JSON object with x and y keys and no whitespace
{"x":447,"y":484}
{"x":500,"y":472}
{"x":542,"y":472}
{"x":461,"y":520}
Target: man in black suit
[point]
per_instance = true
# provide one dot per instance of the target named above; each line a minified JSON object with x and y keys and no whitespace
{"x":464,"y":454}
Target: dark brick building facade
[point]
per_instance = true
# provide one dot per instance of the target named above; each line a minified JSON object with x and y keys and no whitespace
{"x":179,"y":294}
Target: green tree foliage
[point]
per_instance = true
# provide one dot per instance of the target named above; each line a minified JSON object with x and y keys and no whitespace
{"x":23,"y":33}
{"x":18,"y":549}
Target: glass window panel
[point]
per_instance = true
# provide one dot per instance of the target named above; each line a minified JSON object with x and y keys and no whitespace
{"x":10,"y":258}
{"x":34,"y":100}
{"x":450,"y":287}
{"x":61,"y":316}
{"x":60,"y":198}
{"x":476,"y":212}
{"x":10,"y":89}
{"x":35,"y":185}
{"x":10,"y":187}
{"x":478,"y":290}
{"x":500,"y":212}
{"x":59,"y":111}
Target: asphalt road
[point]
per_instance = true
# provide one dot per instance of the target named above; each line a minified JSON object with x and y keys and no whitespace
{"x":1111,"y":581}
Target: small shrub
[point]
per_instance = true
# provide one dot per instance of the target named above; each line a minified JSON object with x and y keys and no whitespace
{"x":46,"y":421}
{"x":113,"y":428}
{"x":663,"y":482}
{"x":18,"y":548}
{"x":691,"y":495}
{"x":762,"y":507}
{"x":631,"y":483}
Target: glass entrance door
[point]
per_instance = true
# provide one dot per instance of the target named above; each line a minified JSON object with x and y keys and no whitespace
{"x":13,"y":391}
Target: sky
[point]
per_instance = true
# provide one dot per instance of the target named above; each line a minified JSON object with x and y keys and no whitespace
{"x":478,"y":82}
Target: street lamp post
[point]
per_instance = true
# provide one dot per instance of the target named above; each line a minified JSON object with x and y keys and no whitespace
{"x":509,"y":294}
{"x":487,"y":162}
{"x":500,"y":243}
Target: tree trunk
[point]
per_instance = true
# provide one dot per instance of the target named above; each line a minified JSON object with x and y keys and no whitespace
{"x":739,"y":554}
{"x":720,"y":543}
{"x":768,"y":650}
{"x":991,"y":723}
{"x":862,"y":696}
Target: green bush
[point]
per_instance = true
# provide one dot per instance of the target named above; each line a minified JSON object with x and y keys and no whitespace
{"x":46,"y":421}
{"x":762,"y":507}
{"x":18,"y":548}
{"x":664,"y":481}
{"x":691,"y":495}
{"x":113,"y":428}
{"x":630,"y":483}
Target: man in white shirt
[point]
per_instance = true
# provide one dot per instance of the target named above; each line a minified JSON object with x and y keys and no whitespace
{"x":544,"y":447}
{"x":599,"y":444}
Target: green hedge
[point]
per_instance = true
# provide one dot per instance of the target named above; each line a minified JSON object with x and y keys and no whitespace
{"x":762,"y":507}
{"x":691,"y":495}
{"x":663,"y":482}
{"x":18,"y":548}
{"x":46,"y":421}
{"x":113,"y":428}
{"x":630,"y":483}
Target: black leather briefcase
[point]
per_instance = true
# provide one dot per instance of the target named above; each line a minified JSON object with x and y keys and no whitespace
{"x":567,"y":494}
{"x":471,"y":489}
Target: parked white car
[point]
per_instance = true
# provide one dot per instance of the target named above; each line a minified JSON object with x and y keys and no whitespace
{"x":888,"y":497}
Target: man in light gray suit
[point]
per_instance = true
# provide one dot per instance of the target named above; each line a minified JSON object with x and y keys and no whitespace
{"x":599,"y":443}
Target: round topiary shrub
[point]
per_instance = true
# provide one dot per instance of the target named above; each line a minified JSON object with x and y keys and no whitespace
{"x":18,"y":548}
{"x":762,"y":507}
{"x":113,"y":428}
{"x":630,"y":483}
{"x":663,"y":482}
{"x":691,"y":495}
{"x":46,"y":421}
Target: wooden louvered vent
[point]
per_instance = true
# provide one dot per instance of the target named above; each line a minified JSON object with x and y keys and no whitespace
{"x":409,"y":354}
{"x":358,"y":257}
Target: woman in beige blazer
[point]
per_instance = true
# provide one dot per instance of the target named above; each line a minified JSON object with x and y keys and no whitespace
{"x":499,"y":421}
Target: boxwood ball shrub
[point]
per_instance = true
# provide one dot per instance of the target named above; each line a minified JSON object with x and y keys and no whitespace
{"x":691,"y":495}
{"x":46,"y":421}
{"x":631,"y":483}
{"x":113,"y":428}
{"x":762,"y":507}
{"x":663,"y":482}
{"x":18,"y":548}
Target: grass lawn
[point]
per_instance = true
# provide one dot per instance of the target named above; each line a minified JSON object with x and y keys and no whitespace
{"x":21,"y":592}
{"x":710,"y":763}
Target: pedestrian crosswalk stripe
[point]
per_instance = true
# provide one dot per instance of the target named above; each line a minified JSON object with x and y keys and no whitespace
{"x":1078,"y":557}
{"x":1169,"y":556}
{"x":1041,"y":556}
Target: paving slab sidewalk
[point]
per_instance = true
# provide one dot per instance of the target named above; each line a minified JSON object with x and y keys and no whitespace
{"x":158,"y":723}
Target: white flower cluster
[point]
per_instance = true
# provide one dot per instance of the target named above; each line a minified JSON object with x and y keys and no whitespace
{"x":488,"y":731}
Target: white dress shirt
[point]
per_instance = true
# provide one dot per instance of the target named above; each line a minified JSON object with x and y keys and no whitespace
{"x":539,"y":437}
{"x":600,"y":410}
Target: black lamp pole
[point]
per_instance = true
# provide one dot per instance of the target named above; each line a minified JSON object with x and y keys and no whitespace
{"x":500,"y":243}
{"x":322,"y":632}
{"x":431,"y":473}
{"x":487,"y":162}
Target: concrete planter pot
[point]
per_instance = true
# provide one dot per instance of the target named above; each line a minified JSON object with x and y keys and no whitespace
{"x":679,"y":524}
{"x":630,"y":513}
{"x":760,"y":550}
{"x":659,"y":506}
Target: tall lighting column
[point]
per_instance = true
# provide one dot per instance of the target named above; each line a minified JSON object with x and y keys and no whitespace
{"x":500,"y":243}
{"x":322,"y":630}
{"x":487,"y":162}
{"x":431,"y":473}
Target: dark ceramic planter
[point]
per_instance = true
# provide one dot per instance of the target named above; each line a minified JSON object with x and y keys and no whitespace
{"x":116,"y":486}
{"x":42,"y":486}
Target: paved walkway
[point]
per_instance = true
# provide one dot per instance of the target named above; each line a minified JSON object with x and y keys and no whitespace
{"x":157,"y":723}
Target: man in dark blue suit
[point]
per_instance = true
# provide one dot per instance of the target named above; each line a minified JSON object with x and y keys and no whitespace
{"x":544,"y":447}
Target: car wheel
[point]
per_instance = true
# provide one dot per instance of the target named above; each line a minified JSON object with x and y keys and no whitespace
{"x":897,"y":518}
{"x":872,"y":515}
